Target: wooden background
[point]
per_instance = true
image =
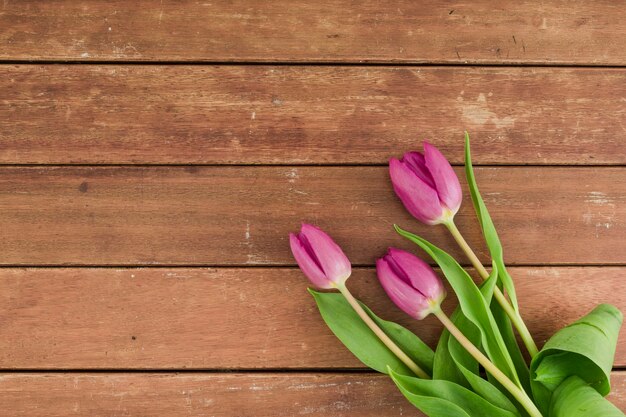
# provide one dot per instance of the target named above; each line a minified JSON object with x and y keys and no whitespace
{"x":155,"y":154}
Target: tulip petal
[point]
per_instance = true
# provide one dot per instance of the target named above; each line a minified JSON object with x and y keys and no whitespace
{"x":333,"y":261}
{"x":421,"y":200}
{"x":402,"y":294}
{"x":421,"y":275}
{"x":308,"y":265}
{"x":417,"y":162}
{"x":446,"y":180}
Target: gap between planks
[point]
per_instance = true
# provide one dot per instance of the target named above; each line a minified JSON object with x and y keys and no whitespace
{"x":360,"y":64}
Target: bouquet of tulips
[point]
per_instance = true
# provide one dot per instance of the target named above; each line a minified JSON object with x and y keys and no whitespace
{"x":478,"y":368}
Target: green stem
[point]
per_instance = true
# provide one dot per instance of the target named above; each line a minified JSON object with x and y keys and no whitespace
{"x":516,"y":391}
{"x":395,"y":349}
{"x":516,"y":319}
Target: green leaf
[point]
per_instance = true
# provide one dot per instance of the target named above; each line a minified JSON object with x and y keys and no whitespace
{"x":585,"y":348}
{"x":574,"y":398}
{"x":469,"y":368}
{"x":473,"y":304}
{"x":553,"y":369}
{"x":439,"y":398}
{"x":489,"y":230}
{"x":453,"y":363}
{"x":363,"y":343}
{"x":506,"y":330}
{"x":467,"y":365}
{"x":497,"y":256}
{"x":487,"y":287}
{"x":444,"y":366}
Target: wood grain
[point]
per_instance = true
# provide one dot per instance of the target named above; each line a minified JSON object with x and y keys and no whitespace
{"x":251,"y":318}
{"x":154,"y":305}
{"x":216,"y":395}
{"x":307,"y":115}
{"x":511,"y":32}
{"x":212,"y":216}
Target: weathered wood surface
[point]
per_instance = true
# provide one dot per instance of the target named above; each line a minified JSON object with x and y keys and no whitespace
{"x":261,"y":318}
{"x":215,"y":395}
{"x":214,"y":216}
{"x":308,"y":115}
{"x":251,"y":311}
{"x":511,"y":32}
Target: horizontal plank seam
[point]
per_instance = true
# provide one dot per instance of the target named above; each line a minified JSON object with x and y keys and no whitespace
{"x":287,"y":267}
{"x":208,"y":371}
{"x":276,"y":266}
{"x":338,"y":370}
{"x":416,"y":63}
{"x":298,"y":165}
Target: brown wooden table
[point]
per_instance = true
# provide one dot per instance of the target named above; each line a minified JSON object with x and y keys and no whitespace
{"x":156,"y":154}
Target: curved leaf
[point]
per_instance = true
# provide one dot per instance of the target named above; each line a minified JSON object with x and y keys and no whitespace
{"x":488,"y":228}
{"x":438,"y":398}
{"x":574,"y":398}
{"x":585,"y":348}
{"x":363,"y":343}
{"x":497,"y":256}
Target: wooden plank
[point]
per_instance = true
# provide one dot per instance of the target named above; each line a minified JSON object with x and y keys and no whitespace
{"x":251,"y":318}
{"x":216,"y":395}
{"x":307,"y":115}
{"x":511,"y":32}
{"x":213,"y":216}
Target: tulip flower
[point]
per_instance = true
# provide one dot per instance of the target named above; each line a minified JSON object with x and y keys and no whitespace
{"x":410,"y":283}
{"x":427,"y":185}
{"x":430,"y":190}
{"x":319,"y":257}
{"x":326,"y":266}
{"x":414,"y":287}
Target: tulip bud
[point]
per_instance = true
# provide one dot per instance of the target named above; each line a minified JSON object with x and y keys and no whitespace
{"x":410,"y":283}
{"x":319,"y":257}
{"x":427,"y":185}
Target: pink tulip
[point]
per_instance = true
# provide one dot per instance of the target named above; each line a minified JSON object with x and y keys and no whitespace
{"x":319,"y":257}
{"x":410,"y":283}
{"x":427,"y":185}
